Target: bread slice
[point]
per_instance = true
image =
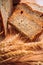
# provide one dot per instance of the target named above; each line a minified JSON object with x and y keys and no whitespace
{"x":21,"y":21}
{"x":6,"y":7}
{"x":35,"y":11}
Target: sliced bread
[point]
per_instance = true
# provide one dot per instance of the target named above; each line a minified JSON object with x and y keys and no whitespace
{"x":21,"y":21}
{"x":35,"y":11}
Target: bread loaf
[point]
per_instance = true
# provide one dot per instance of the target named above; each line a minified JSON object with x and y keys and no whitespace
{"x":24,"y":24}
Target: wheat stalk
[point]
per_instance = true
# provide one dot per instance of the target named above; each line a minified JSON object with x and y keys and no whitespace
{"x":20,"y":51}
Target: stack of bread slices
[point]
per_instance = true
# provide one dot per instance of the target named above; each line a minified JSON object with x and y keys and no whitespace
{"x":23,"y":29}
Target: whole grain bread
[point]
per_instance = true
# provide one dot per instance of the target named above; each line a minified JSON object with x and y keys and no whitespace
{"x":21,"y":21}
{"x":35,"y":11}
{"x":6,"y":7}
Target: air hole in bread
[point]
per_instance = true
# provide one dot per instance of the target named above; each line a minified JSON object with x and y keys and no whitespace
{"x":21,"y":12}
